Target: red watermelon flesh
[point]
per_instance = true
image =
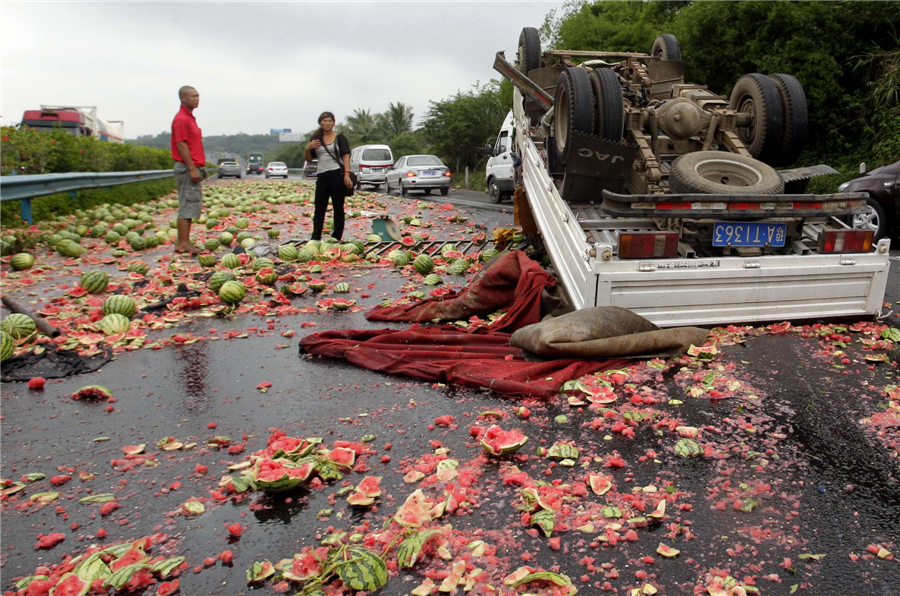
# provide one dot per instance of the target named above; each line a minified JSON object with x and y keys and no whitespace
{"x":131,"y":556}
{"x":167,"y":588}
{"x":71,"y":585}
{"x":40,"y":587}
{"x":497,"y":441}
{"x":342,"y":456}
{"x":370,"y":486}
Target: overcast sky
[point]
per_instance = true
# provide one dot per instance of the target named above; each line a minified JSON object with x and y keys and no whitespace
{"x":257,"y":65}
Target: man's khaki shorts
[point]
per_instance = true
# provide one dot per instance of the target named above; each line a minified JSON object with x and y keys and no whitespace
{"x":190,"y":194}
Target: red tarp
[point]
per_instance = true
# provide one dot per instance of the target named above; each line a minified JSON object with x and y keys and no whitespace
{"x":450,"y":355}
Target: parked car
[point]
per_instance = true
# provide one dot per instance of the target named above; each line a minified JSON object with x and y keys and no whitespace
{"x":425,"y":172}
{"x":276,"y":169}
{"x":309,"y":168}
{"x":883,"y":188}
{"x":371,"y":164}
{"x":230,"y":168}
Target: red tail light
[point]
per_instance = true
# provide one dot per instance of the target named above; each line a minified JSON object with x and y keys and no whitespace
{"x":410,"y":174}
{"x":647,"y":245}
{"x":448,"y":174}
{"x":837,"y":241}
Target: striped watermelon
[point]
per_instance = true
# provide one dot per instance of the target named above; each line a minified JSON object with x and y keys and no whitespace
{"x":497,"y":441}
{"x":277,"y":475}
{"x":71,"y":585}
{"x":262,"y":263}
{"x":459,"y":267}
{"x":373,"y":238}
{"x":364,"y":570}
{"x":563,"y":451}
{"x":342,"y":288}
{"x":433,"y":280}
{"x":448,"y":248}
{"x":211,"y":223}
{"x":95,"y":282}
{"x":122,"y":305}
{"x":99,"y":230}
{"x":220,"y":277}
{"x":423,"y":264}
{"x":21,"y":261}
{"x":226,"y":238}
{"x":273,"y":233}
{"x":266,"y":276}
{"x":489,"y":254}
{"x":242,"y":224}
{"x":211,"y":245}
{"x":399,"y":258}
{"x":7,"y":346}
{"x":231,"y":292}
{"x":70,"y":249}
{"x":313,"y":246}
{"x":138,"y":267}
{"x":317,"y":285}
{"x":112,"y":237}
{"x":114,"y":324}
{"x":207,"y":260}
{"x":152,"y":241}
{"x":18,"y":325}
{"x":288,"y":252}
{"x":231,"y":261}
{"x":137,"y":243}
{"x":358,"y":243}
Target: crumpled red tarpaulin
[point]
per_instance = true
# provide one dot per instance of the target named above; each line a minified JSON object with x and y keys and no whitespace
{"x":513,"y":281}
{"x":454,"y":357}
{"x":450,"y":355}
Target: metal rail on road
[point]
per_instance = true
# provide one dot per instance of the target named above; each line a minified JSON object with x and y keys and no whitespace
{"x":25,"y":188}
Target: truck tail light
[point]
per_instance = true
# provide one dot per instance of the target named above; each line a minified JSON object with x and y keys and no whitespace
{"x":646,"y":245}
{"x":837,"y":241}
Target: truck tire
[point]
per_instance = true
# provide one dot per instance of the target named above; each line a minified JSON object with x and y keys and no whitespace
{"x":795,"y":115}
{"x":609,"y":119}
{"x":666,"y":47}
{"x":494,"y":191}
{"x":720,"y":172}
{"x":574,"y":109}
{"x":529,"y":50}
{"x":757,"y":94}
{"x":874,"y":219}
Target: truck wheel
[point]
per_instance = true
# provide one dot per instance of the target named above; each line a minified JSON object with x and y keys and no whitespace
{"x":795,"y":115}
{"x":529,"y":49}
{"x":719,"y":172}
{"x":873,"y":219}
{"x":609,"y":119}
{"x":757,"y":95}
{"x":494,"y":192}
{"x":574,"y":109}
{"x":666,"y":47}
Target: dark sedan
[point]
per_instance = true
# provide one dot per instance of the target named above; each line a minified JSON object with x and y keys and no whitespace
{"x":883,"y":187}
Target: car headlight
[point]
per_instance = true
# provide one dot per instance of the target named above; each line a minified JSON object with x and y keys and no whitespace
{"x":843,"y":187}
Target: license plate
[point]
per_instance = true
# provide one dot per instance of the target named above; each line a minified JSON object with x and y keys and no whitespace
{"x":376,"y":170}
{"x":749,"y":234}
{"x":430,"y":173}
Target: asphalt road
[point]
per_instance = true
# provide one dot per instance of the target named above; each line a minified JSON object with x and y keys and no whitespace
{"x":791,"y":437}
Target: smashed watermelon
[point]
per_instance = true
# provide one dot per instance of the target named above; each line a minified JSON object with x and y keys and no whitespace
{"x":276,"y":475}
{"x":497,"y":441}
{"x":71,"y":585}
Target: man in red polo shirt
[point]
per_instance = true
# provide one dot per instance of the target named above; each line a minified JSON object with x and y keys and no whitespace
{"x":187,"y":151}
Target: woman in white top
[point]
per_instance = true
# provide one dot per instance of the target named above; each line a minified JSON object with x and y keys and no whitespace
{"x":332,"y":149}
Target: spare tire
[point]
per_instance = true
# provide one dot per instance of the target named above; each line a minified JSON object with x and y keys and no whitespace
{"x":666,"y":47}
{"x":529,"y":50}
{"x":796,"y":118}
{"x":609,"y":119}
{"x":718,"y":172}
{"x":757,"y":95}
{"x":573,"y":109}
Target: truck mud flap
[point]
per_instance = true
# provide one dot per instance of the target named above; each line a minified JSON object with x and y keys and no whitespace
{"x":796,"y":180}
{"x":732,"y":207}
{"x":596,"y":165}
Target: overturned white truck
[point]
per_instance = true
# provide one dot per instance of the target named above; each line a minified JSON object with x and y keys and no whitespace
{"x":660,"y":196}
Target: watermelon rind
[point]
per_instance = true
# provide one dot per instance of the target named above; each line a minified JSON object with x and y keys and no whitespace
{"x":288,"y":252}
{"x":95,"y":282}
{"x":220,"y":277}
{"x":21,"y":261}
{"x":114,"y":324}
{"x":7,"y":346}
{"x":231,"y":261}
{"x":231,"y":292}
{"x":342,"y":288}
{"x":71,"y":585}
{"x":119,"y":304}
{"x":18,"y":325}
{"x":364,"y":570}
{"x":423,"y":264}
{"x":491,"y":441}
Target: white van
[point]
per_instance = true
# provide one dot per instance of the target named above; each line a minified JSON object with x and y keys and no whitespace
{"x":498,"y":177}
{"x":371,"y":163}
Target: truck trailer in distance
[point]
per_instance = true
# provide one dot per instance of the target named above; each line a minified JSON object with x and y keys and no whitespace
{"x":79,"y":121}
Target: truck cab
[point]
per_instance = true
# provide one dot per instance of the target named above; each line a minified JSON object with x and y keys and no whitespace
{"x":498,"y":174}
{"x":255,"y":163}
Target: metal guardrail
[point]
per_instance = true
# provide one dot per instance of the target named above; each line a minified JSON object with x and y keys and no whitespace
{"x":25,"y":188}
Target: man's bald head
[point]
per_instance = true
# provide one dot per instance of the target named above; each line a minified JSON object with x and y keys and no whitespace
{"x":189,"y":97}
{"x":185,"y":91}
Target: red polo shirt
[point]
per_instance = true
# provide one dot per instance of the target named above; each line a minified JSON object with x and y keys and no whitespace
{"x":184,"y":128}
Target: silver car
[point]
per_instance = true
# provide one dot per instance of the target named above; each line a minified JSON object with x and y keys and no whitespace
{"x":229,"y":168}
{"x":276,"y":169}
{"x":425,"y":172}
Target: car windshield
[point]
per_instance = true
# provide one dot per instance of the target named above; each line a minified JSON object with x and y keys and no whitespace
{"x":424,"y":160}
{"x":377,"y":155}
{"x":276,"y":164}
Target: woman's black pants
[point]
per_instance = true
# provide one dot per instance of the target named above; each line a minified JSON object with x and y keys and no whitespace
{"x":329,"y":185}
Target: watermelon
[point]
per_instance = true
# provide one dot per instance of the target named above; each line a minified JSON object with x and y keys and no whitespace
{"x":21,"y":261}
{"x":231,"y":292}
{"x":317,"y":285}
{"x":218,"y":278}
{"x":313,"y":246}
{"x":497,"y":441}
{"x":489,"y":254}
{"x":137,"y":243}
{"x":242,"y":223}
{"x":18,"y":325}
{"x":273,"y":233}
{"x":562,"y":451}
{"x":459,"y":267}
{"x":342,"y":288}
{"x":304,"y":255}
{"x":211,"y":245}
{"x":211,"y":223}
{"x":152,"y":241}
{"x":423,"y":264}
{"x":99,"y":230}
{"x":123,"y":305}
{"x":7,"y":346}
{"x":92,"y":392}
{"x":288,"y":252}
{"x":277,"y":475}
{"x":168,"y":588}
{"x":600,"y":484}
{"x":351,"y":249}
{"x":373,"y":238}
{"x":433,"y":280}
{"x":266,"y":276}
{"x":226,"y":238}
{"x":262,"y":263}
{"x":139,"y":267}
{"x":112,"y":237}
{"x":247,"y":242}
{"x":95,"y":282}
{"x":295,"y":289}
{"x":114,"y":324}
{"x":71,"y":585}
{"x":342,"y":303}
{"x":688,"y":448}
{"x":370,"y":486}
{"x":207,"y":260}
{"x":70,"y":249}
{"x":231,"y":261}
{"x":364,"y":570}
{"x":667,"y":551}
{"x":260,"y":572}
{"x":342,"y":456}
{"x":130,"y":557}
{"x":360,"y":499}
{"x":399,"y":258}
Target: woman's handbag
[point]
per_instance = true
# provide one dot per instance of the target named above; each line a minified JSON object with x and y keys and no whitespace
{"x":353,"y":177}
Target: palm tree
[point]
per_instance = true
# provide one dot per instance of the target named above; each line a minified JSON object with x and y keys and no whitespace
{"x":362,"y":126}
{"x":398,"y":119}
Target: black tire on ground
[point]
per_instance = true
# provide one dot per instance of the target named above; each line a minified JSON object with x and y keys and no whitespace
{"x":445,"y":190}
{"x":427,"y":191}
{"x":494,"y":192}
{"x":574,"y":109}
{"x":720,"y":172}
{"x":796,"y":117}
{"x":529,"y":49}
{"x":387,"y":187}
{"x":609,"y":118}
{"x":666,"y":47}
{"x":874,"y":219}
{"x":758,"y":95}
{"x":402,"y":190}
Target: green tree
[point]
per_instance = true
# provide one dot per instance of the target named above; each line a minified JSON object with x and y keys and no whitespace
{"x":362,"y":127}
